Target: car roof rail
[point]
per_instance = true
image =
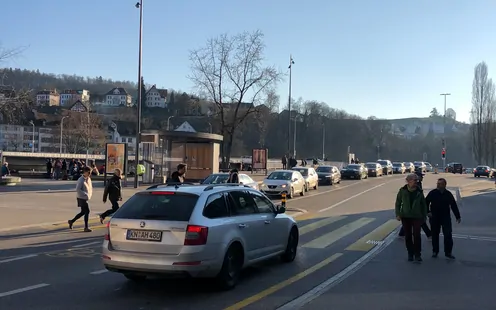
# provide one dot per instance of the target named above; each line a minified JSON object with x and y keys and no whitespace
{"x":175,"y":184}
{"x":212,"y":186}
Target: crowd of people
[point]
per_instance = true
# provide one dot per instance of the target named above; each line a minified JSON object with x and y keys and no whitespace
{"x":61,"y":169}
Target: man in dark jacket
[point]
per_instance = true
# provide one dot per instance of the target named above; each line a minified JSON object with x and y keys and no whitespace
{"x":113,"y":191}
{"x":284,"y":162}
{"x":411,"y":210}
{"x":233,"y":176}
{"x":178,"y":175}
{"x":440,"y":203}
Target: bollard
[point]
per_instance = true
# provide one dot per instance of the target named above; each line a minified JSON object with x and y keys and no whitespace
{"x":283,"y":199}
{"x":435,"y":170}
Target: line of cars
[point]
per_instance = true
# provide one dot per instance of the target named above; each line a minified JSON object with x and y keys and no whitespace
{"x":382,"y":167}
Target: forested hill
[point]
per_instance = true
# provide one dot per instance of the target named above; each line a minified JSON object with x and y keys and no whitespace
{"x":36,"y":80}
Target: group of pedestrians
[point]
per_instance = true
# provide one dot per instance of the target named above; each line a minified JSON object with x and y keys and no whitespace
{"x":61,"y":169}
{"x":413,"y":210}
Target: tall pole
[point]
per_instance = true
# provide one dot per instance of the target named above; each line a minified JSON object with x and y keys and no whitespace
{"x":291,"y":62}
{"x":88,"y":137}
{"x":444,"y":129}
{"x":32,"y":142}
{"x":139,"y":5}
{"x":323,"y":141}
{"x":61,"y":132}
{"x":294,"y":137}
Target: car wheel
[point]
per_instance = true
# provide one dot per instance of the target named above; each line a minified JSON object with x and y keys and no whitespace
{"x":339,"y":181}
{"x":135,"y":277}
{"x":291,"y":193}
{"x":307,"y":187}
{"x":316,"y":186}
{"x":229,"y":274}
{"x":289,"y":254}
{"x":304,"y":190}
{"x":359,"y":177}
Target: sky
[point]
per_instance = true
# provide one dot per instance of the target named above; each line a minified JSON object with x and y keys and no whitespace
{"x":386,"y":58}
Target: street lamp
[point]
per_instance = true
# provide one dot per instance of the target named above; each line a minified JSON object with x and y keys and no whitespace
{"x":323,"y":141}
{"x":291,"y":63}
{"x":61,"y":132}
{"x":32,"y":142}
{"x":294,"y":136}
{"x":139,"y":5}
{"x":444,"y":129}
{"x":168,"y":121}
{"x":210,"y":125}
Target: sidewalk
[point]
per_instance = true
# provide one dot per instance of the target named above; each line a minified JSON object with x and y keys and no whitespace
{"x":388,"y":281}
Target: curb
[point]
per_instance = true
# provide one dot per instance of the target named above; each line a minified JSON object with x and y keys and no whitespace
{"x":41,"y":225}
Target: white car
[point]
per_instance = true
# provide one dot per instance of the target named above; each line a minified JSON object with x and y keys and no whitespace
{"x":201,"y":231}
{"x":287,"y":182}
{"x":310,"y":176}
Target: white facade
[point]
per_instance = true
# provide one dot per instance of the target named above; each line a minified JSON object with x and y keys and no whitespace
{"x":68,"y":97}
{"x":117,"y":97}
{"x":156,"y":98}
{"x":16,"y":138}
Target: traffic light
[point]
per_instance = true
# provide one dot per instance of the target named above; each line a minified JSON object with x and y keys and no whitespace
{"x":443,"y":153}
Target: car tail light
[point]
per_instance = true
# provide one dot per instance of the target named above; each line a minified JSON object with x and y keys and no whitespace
{"x":196,"y":235}
{"x":162,"y":193}
{"x":107,"y":235}
{"x":487,"y":170}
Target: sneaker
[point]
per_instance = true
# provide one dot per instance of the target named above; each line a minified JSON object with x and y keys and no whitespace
{"x":70,"y":224}
{"x":434,"y":255}
{"x":410,"y":257}
{"x":87,"y":230}
{"x":449,"y":256}
{"x":418,"y":258}
{"x":101,"y":219}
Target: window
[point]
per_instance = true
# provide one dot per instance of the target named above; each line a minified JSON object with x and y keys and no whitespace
{"x":123,"y":140}
{"x":129,"y":139}
{"x":242,"y":203}
{"x":216,"y":207}
{"x":177,"y":207}
{"x":263,"y":204}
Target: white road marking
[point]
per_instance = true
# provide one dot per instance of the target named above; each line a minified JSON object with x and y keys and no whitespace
{"x":8,"y":260}
{"x":24,"y":289}
{"x":325,"y":286}
{"x":349,"y":198}
{"x":99,"y":271}
{"x":86,"y":244}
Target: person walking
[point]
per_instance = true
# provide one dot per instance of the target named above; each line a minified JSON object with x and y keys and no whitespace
{"x":113,"y":191}
{"x":440,"y":204}
{"x":84,"y":191}
{"x":284,"y":161}
{"x":233,"y":176}
{"x":411,"y":210}
{"x":178,"y":175}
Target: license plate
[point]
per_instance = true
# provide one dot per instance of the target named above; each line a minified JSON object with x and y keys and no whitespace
{"x":144,"y":235}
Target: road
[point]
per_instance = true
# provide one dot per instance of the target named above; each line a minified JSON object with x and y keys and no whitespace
{"x":53,"y":268}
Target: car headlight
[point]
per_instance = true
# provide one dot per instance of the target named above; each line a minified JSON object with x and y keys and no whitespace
{"x":283,"y":186}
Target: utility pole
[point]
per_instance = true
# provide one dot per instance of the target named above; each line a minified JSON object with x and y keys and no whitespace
{"x":139,"y":5}
{"x":291,"y":63}
{"x":323,"y":142}
{"x":444,"y":129}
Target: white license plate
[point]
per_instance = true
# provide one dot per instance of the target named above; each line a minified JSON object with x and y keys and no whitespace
{"x":144,"y":235}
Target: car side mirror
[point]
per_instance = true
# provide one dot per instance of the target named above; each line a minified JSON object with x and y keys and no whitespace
{"x":280,"y":209}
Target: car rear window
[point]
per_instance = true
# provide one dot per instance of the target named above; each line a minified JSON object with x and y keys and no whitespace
{"x":158,"y":206}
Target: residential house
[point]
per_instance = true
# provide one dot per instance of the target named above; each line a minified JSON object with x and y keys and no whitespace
{"x":118,"y":96}
{"x":80,"y":106}
{"x":156,"y":98}
{"x":47,"y":98}
{"x":123,"y":132}
{"x":18,"y":138}
{"x":69,"y":97}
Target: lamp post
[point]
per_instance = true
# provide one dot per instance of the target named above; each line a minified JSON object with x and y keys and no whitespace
{"x":168,"y":121}
{"x":323,"y":142}
{"x":139,"y":5}
{"x":32,"y":142}
{"x":294,"y":136}
{"x":291,"y":63}
{"x":61,"y":132}
{"x":444,"y":128}
{"x":210,"y":125}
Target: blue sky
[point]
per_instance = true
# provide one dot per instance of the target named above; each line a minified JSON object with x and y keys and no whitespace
{"x":386,"y":58}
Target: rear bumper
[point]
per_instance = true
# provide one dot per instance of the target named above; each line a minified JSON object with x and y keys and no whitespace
{"x":161,"y":265}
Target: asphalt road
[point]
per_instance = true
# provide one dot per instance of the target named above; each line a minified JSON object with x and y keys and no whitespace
{"x":53,"y":268}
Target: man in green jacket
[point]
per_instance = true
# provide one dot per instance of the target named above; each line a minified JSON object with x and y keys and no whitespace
{"x":411,"y":210}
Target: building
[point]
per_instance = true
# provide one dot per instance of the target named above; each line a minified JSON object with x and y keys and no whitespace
{"x":156,"y":98}
{"x":69,"y":96}
{"x":18,"y":138}
{"x":123,"y":132}
{"x":48,"y":98}
{"x":118,"y":96}
{"x":80,"y":106}
{"x":98,"y":100}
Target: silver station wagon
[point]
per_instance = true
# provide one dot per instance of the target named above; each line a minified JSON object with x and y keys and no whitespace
{"x":211,"y":231}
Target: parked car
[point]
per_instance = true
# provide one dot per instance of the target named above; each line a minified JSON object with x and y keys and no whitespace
{"x":421,"y":165}
{"x":484,"y":171}
{"x":428,"y":167}
{"x":219,"y":178}
{"x":387,"y":166}
{"x":287,"y":182}
{"x":328,"y":175}
{"x":469,"y":170}
{"x":310,"y":176}
{"x":409,"y":167}
{"x":211,"y":231}
{"x":354,"y":171}
{"x":457,"y":168}
{"x":399,"y":168}
{"x":374,"y":169}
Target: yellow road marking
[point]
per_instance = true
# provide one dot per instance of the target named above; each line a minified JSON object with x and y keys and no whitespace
{"x":377,"y":234}
{"x":305,"y":216}
{"x":319,"y":224}
{"x":250,"y":300}
{"x":329,"y":238}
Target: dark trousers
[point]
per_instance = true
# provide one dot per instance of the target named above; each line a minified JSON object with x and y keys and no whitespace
{"x":445,"y":224}
{"x":115,"y":207}
{"x":85,"y":211}
{"x":425,"y":228}
{"x":413,"y":239}
{"x":284,"y":166}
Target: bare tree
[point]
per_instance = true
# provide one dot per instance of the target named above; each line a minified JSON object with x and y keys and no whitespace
{"x":482,"y":114}
{"x":264,"y":114}
{"x":230,"y":71}
{"x":82,"y":130}
{"x":9,"y":53}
